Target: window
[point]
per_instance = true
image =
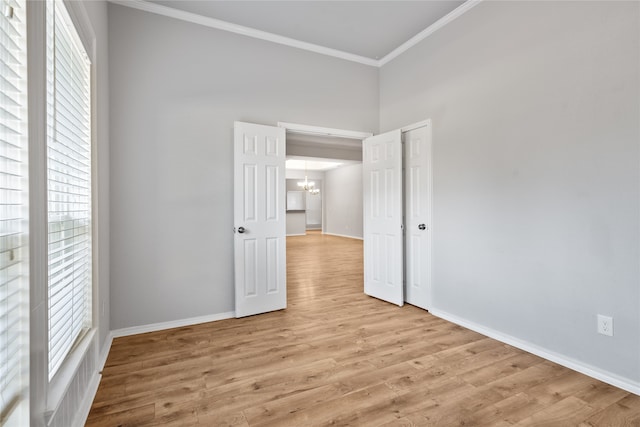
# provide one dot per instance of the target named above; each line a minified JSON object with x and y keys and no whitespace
{"x":68,"y":185}
{"x":13,"y":209}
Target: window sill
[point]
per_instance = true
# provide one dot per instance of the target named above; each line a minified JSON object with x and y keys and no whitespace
{"x":61,"y":381}
{"x":18,"y":415}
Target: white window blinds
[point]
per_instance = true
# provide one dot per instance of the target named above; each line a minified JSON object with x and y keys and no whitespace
{"x":13,"y":207}
{"x":69,"y":184}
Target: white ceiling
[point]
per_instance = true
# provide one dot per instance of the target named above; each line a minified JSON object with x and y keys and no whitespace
{"x":303,"y":163}
{"x":312,"y":165}
{"x":371,"y":29}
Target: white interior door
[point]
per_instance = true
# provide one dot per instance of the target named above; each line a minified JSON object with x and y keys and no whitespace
{"x":259,"y":219}
{"x":418,"y":189}
{"x":383,"y":235}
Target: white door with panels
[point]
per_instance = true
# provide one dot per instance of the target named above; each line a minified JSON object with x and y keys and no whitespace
{"x":418,"y":190}
{"x":383,"y":234}
{"x":259,"y":219}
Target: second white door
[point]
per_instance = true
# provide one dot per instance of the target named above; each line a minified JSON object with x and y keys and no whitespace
{"x":382,"y":187}
{"x":418,"y":189}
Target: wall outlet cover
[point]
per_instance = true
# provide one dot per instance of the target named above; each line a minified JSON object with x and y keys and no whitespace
{"x":605,"y":325}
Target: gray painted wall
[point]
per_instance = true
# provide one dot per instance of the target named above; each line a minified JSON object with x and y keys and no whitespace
{"x":176,"y":89}
{"x":535,"y":112}
{"x":328,"y":152}
{"x":314,"y":208}
{"x":343,"y":201}
{"x":296,"y":225}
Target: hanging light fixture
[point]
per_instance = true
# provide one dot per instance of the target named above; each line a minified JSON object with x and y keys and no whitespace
{"x":308,"y":186}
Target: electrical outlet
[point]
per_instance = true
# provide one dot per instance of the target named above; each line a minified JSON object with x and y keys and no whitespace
{"x":605,"y":325}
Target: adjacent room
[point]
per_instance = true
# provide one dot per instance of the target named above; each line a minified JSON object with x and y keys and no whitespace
{"x":319,"y":213}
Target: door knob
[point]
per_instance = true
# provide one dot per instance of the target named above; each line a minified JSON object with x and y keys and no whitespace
{"x":241,"y":230}
{"x":422,"y":227}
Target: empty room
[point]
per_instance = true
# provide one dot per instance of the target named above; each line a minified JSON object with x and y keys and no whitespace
{"x":305,"y":213}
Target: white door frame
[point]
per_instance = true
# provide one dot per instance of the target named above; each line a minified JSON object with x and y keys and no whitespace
{"x":302,"y":129}
{"x":242,"y":307}
{"x":416,"y":125}
{"x":323,"y":131}
{"x":343,"y":133}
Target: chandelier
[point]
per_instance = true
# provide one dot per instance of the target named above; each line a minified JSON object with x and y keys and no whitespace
{"x":308,"y":186}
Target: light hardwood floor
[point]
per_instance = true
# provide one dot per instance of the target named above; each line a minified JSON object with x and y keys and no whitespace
{"x":337,"y":357}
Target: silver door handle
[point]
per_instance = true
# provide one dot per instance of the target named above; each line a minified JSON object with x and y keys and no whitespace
{"x":241,"y":230}
{"x":422,"y":227}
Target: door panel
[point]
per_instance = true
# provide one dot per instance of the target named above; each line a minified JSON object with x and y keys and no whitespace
{"x":259,"y":220}
{"x":418,"y":211}
{"x":383,"y":239}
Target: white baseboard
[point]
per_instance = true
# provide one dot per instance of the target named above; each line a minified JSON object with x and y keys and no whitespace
{"x":576,"y":365}
{"x":172,"y":324}
{"x":343,"y":235}
{"x":299,"y":234}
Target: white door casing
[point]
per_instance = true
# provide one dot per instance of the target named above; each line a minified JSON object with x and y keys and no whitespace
{"x":383,"y":234}
{"x":418,"y":194}
{"x":259,"y":219}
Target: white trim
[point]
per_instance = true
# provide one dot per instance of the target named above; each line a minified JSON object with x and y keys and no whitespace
{"x":104,"y":353}
{"x":82,"y":23}
{"x":455,"y":13}
{"x":218,"y":24}
{"x":37,"y":155}
{"x":297,"y":234}
{"x":82,"y":413}
{"x":134,"y":330}
{"x":323,"y":131}
{"x":84,"y":408}
{"x":423,"y":123}
{"x":343,"y":235}
{"x":576,"y":365}
{"x":61,"y":381}
{"x":245,"y":31}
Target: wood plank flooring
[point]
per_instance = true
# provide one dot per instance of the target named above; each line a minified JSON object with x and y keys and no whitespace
{"x":337,"y":357}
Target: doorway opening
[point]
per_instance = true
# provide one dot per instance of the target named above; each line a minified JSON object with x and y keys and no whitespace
{"x":323,"y":180}
{"x":323,"y":194}
{"x":383,"y":187}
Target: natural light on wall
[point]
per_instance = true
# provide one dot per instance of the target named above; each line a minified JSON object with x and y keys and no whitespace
{"x":69,"y":185}
{"x":312,"y":165}
{"x":13,"y":215}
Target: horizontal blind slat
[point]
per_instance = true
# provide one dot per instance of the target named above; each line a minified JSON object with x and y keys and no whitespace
{"x":13,"y":286}
{"x":68,"y":184}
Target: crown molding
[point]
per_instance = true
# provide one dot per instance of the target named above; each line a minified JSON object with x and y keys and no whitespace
{"x":239,"y":29}
{"x":455,"y":13}
{"x":287,"y":41}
